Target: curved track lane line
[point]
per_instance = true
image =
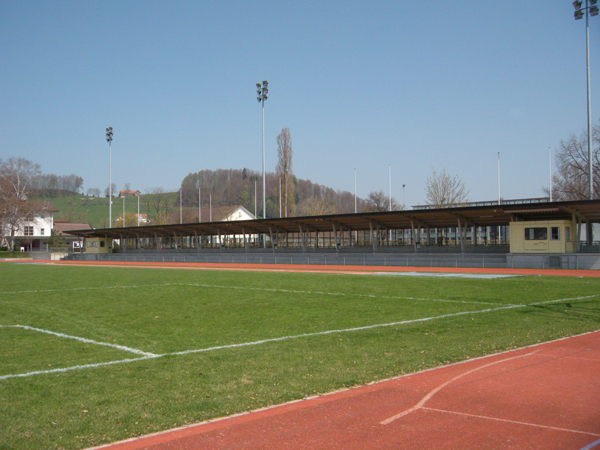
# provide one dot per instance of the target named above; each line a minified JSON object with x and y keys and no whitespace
{"x":443,"y":385}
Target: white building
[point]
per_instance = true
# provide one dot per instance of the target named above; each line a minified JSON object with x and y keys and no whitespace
{"x":32,"y":234}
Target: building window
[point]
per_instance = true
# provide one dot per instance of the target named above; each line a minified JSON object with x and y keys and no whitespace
{"x":568,"y":233}
{"x":41,"y":231}
{"x":28,"y":231}
{"x":536,"y":234}
{"x":101,"y":243}
{"x":555,"y":233}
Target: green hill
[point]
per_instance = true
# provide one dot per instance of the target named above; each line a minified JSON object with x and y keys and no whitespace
{"x":92,"y":210}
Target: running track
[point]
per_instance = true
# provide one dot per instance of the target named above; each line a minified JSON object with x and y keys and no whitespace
{"x":541,"y":397}
{"x":324,"y":268}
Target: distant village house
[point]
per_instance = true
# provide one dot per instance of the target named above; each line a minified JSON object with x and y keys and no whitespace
{"x":129,"y":193}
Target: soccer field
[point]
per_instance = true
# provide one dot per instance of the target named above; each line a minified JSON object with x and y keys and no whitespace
{"x":90,"y":355}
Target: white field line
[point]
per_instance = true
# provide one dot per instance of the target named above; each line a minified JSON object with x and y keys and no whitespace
{"x":69,"y":369}
{"x":337,"y":294}
{"x":89,"y":288}
{"x":284,"y":338}
{"x":370,"y":327}
{"x":87,"y":341}
{"x":285,"y":291}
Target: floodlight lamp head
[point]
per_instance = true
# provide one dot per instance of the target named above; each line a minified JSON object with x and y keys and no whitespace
{"x":578,"y":15}
{"x":257,"y":85}
{"x":259,"y":99}
{"x":593,"y":10}
{"x":593,"y":2}
{"x":265,"y":96}
{"x":265,"y":83}
{"x":577,"y":4}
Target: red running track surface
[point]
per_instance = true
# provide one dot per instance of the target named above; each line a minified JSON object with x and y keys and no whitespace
{"x":541,"y":397}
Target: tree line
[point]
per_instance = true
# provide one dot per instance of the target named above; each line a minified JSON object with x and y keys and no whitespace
{"x":52,"y":186}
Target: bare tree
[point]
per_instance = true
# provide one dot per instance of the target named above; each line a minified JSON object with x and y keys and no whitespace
{"x":112,"y":190}
{"x":158,"y":204}
{"x":93,"y":192}
{"x":17,"y":175}
{"x":571,"y":179}
{"x":443,"y":190}
{"x":377,"y":201}
{"x":317,"y":207}
{"x":130,"y":220}
{"x":284,"y":172}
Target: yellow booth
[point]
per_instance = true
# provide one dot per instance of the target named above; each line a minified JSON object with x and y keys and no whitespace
{"x":97,"y":245}
{"x":552,"y":236}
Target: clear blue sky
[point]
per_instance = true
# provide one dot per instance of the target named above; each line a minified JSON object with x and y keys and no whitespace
{"x":418,"y":85}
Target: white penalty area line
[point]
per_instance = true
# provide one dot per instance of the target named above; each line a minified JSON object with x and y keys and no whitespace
{"x":71,"y":368}
{"x":80,"y":339}
{"x":279,"y":339}
{"x":370,"y":327}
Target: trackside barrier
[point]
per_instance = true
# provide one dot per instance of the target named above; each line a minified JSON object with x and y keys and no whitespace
{"x":365,"y":259}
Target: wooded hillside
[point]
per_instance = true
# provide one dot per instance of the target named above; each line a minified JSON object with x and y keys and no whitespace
{"x":238,"y":187}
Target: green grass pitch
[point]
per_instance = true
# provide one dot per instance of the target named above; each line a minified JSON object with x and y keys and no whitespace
{"x":103,"y":354}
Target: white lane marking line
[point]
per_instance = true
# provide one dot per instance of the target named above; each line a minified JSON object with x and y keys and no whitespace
{"x":443,"y":385}
{"x":87,"y":341}
{"x":592,"y":445}
{"x":321,"y":333}
{"x":512,"y":421}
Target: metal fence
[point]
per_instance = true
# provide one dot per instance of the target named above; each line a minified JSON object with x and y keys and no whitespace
{"x":358,"y":259}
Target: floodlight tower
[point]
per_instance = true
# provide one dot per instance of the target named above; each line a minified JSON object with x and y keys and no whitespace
{"x":262,"y":92}
{"x":109,"y":138}
{"x":590,"y":10}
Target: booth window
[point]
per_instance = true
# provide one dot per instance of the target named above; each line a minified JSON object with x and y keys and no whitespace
{"x":568,"y":233}
{"x":101,"y":243}
{"x":536,"y":234}
{"x":555,"y":233}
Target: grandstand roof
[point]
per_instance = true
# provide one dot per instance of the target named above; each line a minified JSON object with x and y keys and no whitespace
{"x":490,"y":215}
